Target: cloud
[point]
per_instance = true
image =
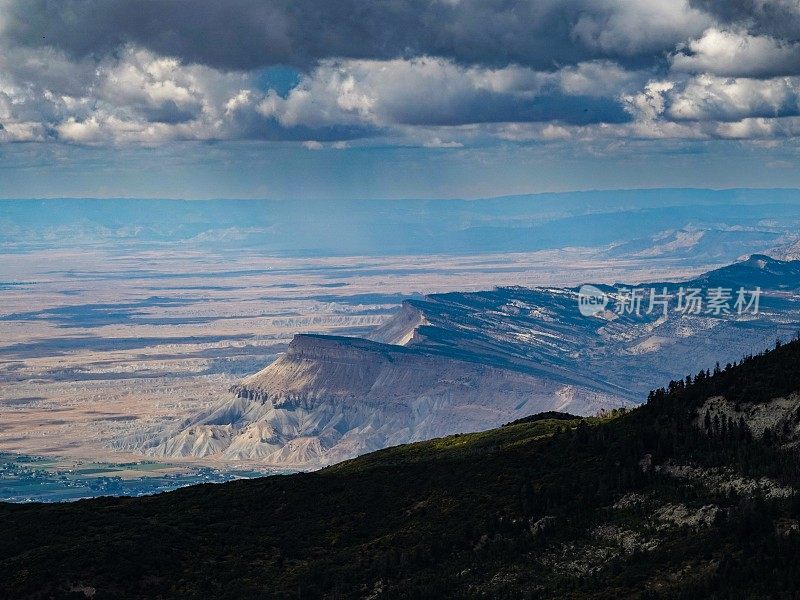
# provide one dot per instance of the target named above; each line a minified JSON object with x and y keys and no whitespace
{"x":598,"y":78}
{"x":774,"y":18}
{"x":438,"y":92}
{"x":159,"y":89}
{"x":759,"y":128}
{"x":137,"y":97}
{"x":437,"y":73}
{"x":650,"y":103}
{"x":708,"y":106}
{"x":439,"y":143}
{"x":643,"y":28}
{"x":712,"y":98}
{"x":251,"y":34}
{"x":737,"y":54}
{"x":526,"y":132}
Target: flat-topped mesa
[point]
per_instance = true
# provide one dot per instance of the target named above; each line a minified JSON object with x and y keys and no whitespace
{"x":308,"y":345}
{"x":320,"y":366}
{"x":331,"y":398}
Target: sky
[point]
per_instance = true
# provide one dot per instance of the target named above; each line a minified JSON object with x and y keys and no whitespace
{"x":395,"y":98}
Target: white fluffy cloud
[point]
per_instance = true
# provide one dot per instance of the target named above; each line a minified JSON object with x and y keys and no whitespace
{"x":631,"y":27}
{"x":438,"y":92}
{"x":737,"y":54}
{"x":708,"y":106}
{"x":712,"y":98}
{"x":134,"y":97}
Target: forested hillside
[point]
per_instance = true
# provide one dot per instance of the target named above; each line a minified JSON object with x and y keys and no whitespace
{"x":663,"y":501}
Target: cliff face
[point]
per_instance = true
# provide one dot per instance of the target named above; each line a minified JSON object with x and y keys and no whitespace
{"x":328,"y":399}
{"x":402,"y":328}
{"x":316,"y":367}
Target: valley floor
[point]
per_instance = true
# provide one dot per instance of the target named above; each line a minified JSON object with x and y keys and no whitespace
{"x":96,"y":345}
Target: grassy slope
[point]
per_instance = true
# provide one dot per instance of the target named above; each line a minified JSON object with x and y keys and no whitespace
{"x":445,"y":518}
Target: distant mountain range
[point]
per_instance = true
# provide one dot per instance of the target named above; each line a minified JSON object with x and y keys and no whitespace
{"x":461,"y":362}
{"x":694,"y":495}
{"x":696,"y":225}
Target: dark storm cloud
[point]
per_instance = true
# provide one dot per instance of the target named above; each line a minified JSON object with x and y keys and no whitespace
{"x":495,"y":108}
{"x":248,"y":34}
{"x":168,"y":112}
{"x":270,"y":130}
{"x":776,"y":18}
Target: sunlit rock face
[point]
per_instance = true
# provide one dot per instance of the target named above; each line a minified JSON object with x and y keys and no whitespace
{"x":329,"y":398}
{"x":461,"y":362}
